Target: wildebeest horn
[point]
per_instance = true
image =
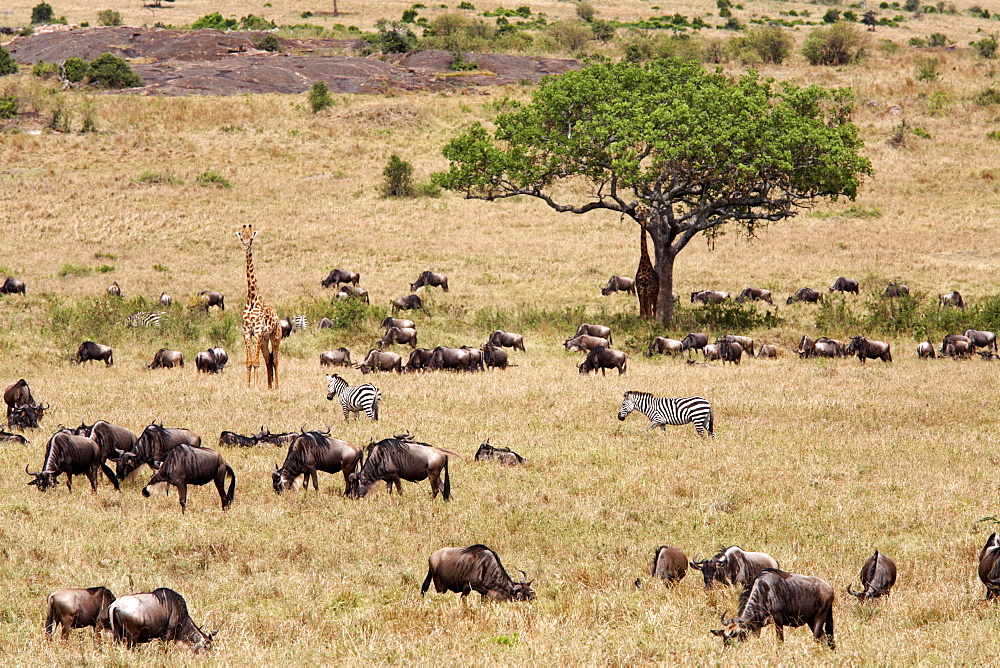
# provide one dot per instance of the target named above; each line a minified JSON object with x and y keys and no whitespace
{"x":29,"y":472}
{"x":302,"y":429}
{"x":524,"y":576}
{"x":276,"y":468}
{"x":722,"y":617}
{"x":213,"y":634}
{"x":857,"y":594}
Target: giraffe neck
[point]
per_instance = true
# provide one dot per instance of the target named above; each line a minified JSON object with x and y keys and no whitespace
{"x":643,"y":250}
{"x":251,"y":278}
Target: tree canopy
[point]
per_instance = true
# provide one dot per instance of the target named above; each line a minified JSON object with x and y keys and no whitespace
{"x":693,"y":149}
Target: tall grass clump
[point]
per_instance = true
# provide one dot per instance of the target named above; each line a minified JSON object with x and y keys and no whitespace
{"x":839,"y":44}
{"x":769,"y":44}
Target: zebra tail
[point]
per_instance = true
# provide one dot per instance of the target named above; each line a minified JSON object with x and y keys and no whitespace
{"x":447,"y":482}
{"x":711,"y":422}
{"x":375,"y":408}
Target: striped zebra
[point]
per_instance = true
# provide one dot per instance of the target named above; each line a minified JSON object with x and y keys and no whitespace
{"x":300,"y":322}
{"x":661,"y":412}
{"x":143,"y":319}
{"x":355,"y":399}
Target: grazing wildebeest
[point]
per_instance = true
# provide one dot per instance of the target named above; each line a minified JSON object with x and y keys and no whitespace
{"x":325,"y":323}
{"x":89,"y":350}
{"x":730,"y":351}
{"x":507,"y":339}
{"x":338,"y":357}
{"x":7,"y":437}
{"x":806,"y":346}
{"x":925,"y":349}
{"x":712,"y":352}
{"x":407,"y":303}
{"x":430,"y":279}
{"x":867,"y":349}
{"x":354,"y":398}
{"x":398,"y":335}
{"x":618,"y":284}
{"x":352,"y":292}
{"x":896,"y":290}
{"x":221,"y":357}
{"x":981,"y":339}
{"x":755,"y":295}
{"x":767,"y":351}
{"x":17,"y":394}
{"x":152,"y":447}
{"x":474,"y":568}
{"x":206,"y":362}
{"x":166,"y":299}
{"x":787,"y":599}
{"x":451,"y":358}
{"x":585,"y":342}
{"x":877,"y":577}
{"x":475,"y":358}
{"x":669,"y":564}
{"x":229,"y":438}
{"x":209,"y":298}
{"x":12,"y":286}
{"x":953,"y":298}
{"x":114,"y":289}
{"x":167,"y":359}
{"x":489,"y":453}
{"x":313,"y":451}
{"x":989,"y":566}
{"x":745,"y":341}
{"x":73,"y":455}
{"x":600,"y":331}
{"x":420,"y":360}
{"x":661,"y":345}
{"x":23,"y":417}
{"x":733,"y":566}
{"x":286,"y":327}
{"x":379,"y":360}
{"x":603,"y":358}
{"x":389,"y":321}
{"x":709,"y":296}
{"x":338,"y":276}
{"x":162,"y":614}
{"x":494,"y":356}
{"x":845,"y":285}
{"x":187,"y":465}
{"x":77,"y":609}
{"x":694,"y":342}
{"x":675,"y":411}
{"x":825,"y":347}
{"x":805,"y":295}
{"x":399,"y":458}
{"x":959,"y":349}
{"x":110,"y":438}
{"x":282,"y":439}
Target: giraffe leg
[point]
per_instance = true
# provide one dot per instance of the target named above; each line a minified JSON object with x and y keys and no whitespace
{"x":256,"y":358}
{"x":248,"y":341}
{"x":273,"y":359}
{"x":263,"y":348}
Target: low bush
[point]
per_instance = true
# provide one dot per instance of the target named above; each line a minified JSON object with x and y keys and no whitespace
{"x":769,"y":44}
{"x":45,"y":70}
{"x":209,"y":178}
{"x":109,"y":17}
{"x":572,"y":35}
{"x":397,"y":178}
{"x":110,"y":71}
{"x":987,"y":97}
{"x":41,"y":13}
{"x":158,"y":178}
{"x":986,"y":47}
{"x":213,"y":21}
{"x":8,"y":106}
{"x":319,"y":97}
{"x":252,"y":22}
{"x":839,"y":44}
{"x":927,"y":69}
{"x":76,"y":69}
{"x":268,"y":42}
{"x":390,"y":38}
{"x":7,"y":63}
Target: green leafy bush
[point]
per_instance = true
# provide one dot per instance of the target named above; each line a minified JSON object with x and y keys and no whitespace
{"x":7,"y":63}
{"x":213,"y":21}
{"x":268,"y":42}
{"x":397,"y":178}
{"x":8,"y":106}
{"x":319,"y":97}
{"x":769,"y":44}
{"x":938,"y":40}
{"x":252,"y":22}
{"x":158,"y":178}
{"x":209,"y":178}
{"x":571,"y":35}
{"x":41,"y":13}
{"x":986,"y":47}
{"x":839,"y":44}
{"x":72,"y":270}
{"x":466,"y":5}
{"x":391,"y":38}
{"x":987,"y":97}
{"x":76,"y":69}
{"x":831,"y":16}
{"x":45,"y":70}
{"x":109,"y":17}
{"x":110,"y":71}
{"x":927,"y":69}
{"x":586,"y":11}
{"x":994,"y":135}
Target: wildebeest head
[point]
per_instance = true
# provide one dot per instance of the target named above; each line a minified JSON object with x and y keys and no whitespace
{"x":44,"y":480}
{"x":709,"y":570}
{"x":522,"y":590}
{"x":279,"y":483}
{"x":733,"y":630}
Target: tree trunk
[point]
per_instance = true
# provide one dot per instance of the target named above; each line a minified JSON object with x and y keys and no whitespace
{"x":335,"y":12}
{"x":664,"y":266}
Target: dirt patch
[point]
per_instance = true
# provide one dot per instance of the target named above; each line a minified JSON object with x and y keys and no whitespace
{"x":210,"y":62}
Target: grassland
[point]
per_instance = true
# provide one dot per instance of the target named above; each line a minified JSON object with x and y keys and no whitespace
{"x":816,"y":462}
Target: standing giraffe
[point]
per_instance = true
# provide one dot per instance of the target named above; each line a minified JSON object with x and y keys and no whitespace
{"x":647,"y":281}
{"x":259,"y":320}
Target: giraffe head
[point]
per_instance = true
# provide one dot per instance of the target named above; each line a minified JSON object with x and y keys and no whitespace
{"x":641,"y":214}
{"x":246,"y":236}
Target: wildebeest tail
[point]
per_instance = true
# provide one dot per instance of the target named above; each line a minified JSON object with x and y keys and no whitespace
{"x":232,"y":488}
{"x":50,"y":618}
{"x":117,"y":631}
{"x":624,"y":364}
{"x":427,"y":581}
{"x":447,"y":482}
{"x":111,"y":358}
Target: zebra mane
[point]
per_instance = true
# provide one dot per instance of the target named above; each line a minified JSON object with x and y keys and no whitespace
{"x":636,"y":393}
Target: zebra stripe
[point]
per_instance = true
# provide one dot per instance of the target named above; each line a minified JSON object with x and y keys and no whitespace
{"x":143,"y":319}
{"x":300,"y":322}
{"x":354,"y":399}
{"x":676,"y":411}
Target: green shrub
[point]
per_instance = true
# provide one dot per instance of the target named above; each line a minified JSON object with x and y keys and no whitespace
{"x":109,"y":17}
{"x":208,"y":178}
{"x":319,"y":97}
{"x":604,"y":31}
{"x":72,"y":270}
{"x":466,"y":5}
{"x":397,"y":178}
{"x":391,"y":38}
{"x":8,"y":106}
{"x":831,"y":16}
{"x":158,"y":178}
{"x":7,"y":63}
{"x":938,"y":40}
{"x":45,"y":70}
{"x":460,"y":64}
{"x":104,"y":269}
{"x":733,"y":316}
{"x":724,"y":8}
{"x":927,"y":69}
{"x":41,"y":13}
{"x":409,"y":15}
{"x":732,"y":23}
{"x":76,"y":69}
{"x":911,"y":5}
{"x":987,"y":97}
{"x":268,"y":42}
{"x":939,"y":103}
{"x":888,"y":47}
{"x":213,"y":21}
{"x":986,"y":47}
{"x":586,"y":11}
{"x":839,"y":44}
{"x":920,"y":132}
{"x":978,"y":12}
{"x":252,"y":22}
{"x":571,"y":35}
{"x":110,"y":71}
{"x":994,"y":135}
{"x":769,"y":44}
{"x":850,"y":16}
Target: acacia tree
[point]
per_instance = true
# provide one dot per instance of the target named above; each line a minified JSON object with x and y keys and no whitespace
{"x":697,"y":150}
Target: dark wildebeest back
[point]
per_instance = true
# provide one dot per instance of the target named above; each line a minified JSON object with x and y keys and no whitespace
{"x":89,"y":350}
{"x":585,"y":342}
{"x":430,"y":279}
{"x":312,"y":452}
{"x":953,"y":298}
{"x":231,"y":438}
{"x":733,"y":566}
{"x":209,"y":298}
{"x":162,"y":614}
{"x":77,"y":609}
{"x":186,"y":465}
{"x":807,"y":295}
{"x":599,"y":331}
{"x":389,"y":321}
{"x":981,"y":339}
{"x":152,"y":447}
{"x":494,"y":357}
{"x":111,"y":439}
{"x":381,"y":360}
{"x":393,"y":335}
{"x":338,"y":357}
{"x":408,"y":303}
{"x":501,"y":338}
{"x":351,"y":292}
{"x":878,"y":575}
{"x":206,"y":362}
{"x":392,"y":460}
{"x":755,"y":295}
{"x":669,"y":564}
{"x":894,"y":290}
{"x":17,"y":394}
{"x":279,"y":440}
{"x":474,"y":568}
{"x":603,"y":358}
{"x":221,"y":357}
{"x":71,"y":454}
{"x":489,"y":453}
{"x":730,"y":351}
{"x":338,"y":276}
{"x":420,"y":360}
{"x":662,"y":345}
{"x":787,"y":599}
{"x":618,"y":284}
{"x":7,"y":437}
{"x":694,"y":341}
{"x":167,"y":359}
{"x":843,"y":284}
{"x":451,"y":358}
{"x":989,"y":566}
{"x":867,"y":349}
{"x":12,"y":286}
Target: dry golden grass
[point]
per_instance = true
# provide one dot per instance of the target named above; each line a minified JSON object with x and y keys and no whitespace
{"x":816,"y":462}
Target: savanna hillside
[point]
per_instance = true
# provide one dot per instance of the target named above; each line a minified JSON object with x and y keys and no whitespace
{"x":816,"y":462}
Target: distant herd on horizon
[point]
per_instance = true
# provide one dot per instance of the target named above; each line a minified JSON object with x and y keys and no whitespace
{"x":179,"y":459}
